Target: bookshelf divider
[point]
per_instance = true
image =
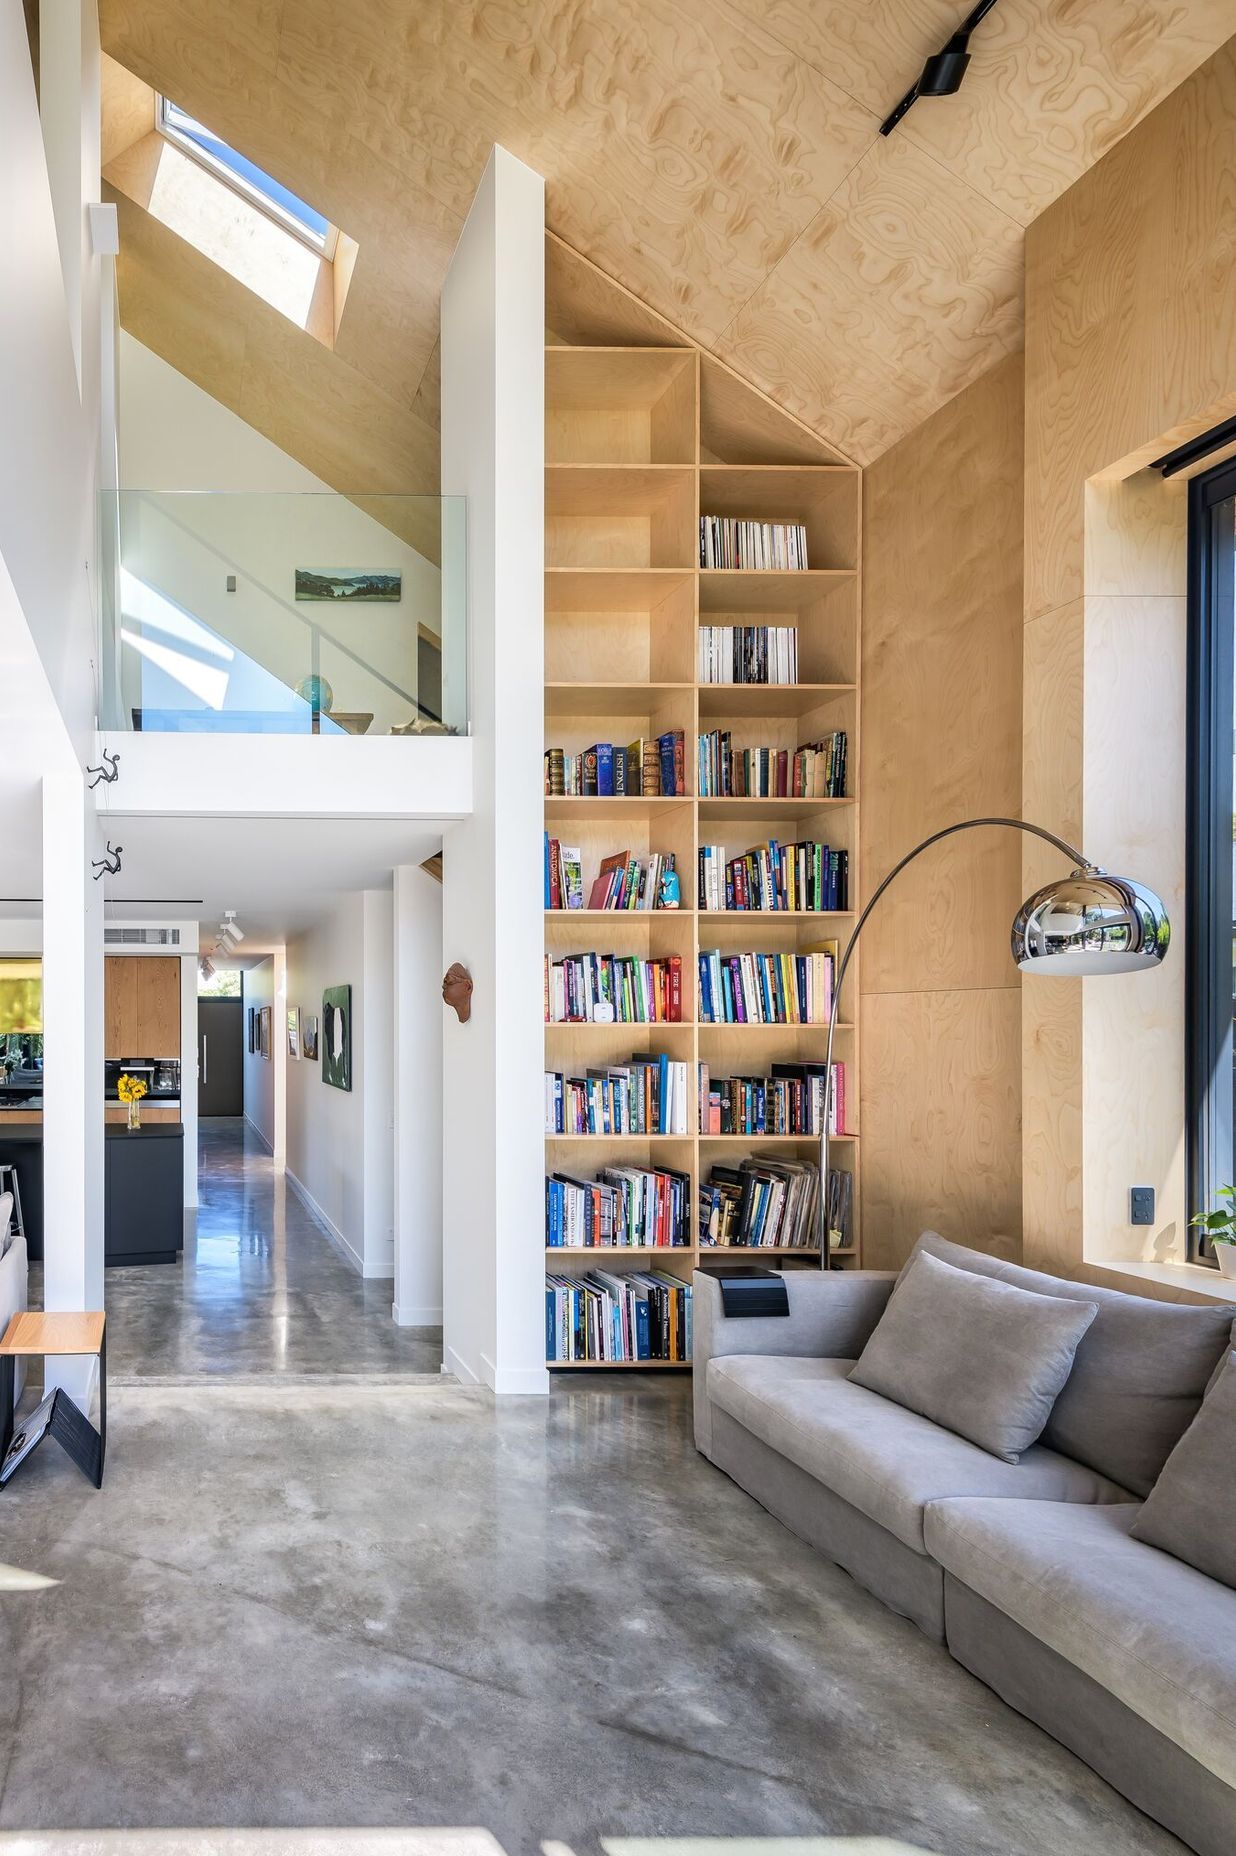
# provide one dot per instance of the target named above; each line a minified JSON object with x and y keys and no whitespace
{"x":641,"y":442}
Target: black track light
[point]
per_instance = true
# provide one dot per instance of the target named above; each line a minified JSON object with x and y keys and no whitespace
{"x":944,"y":70}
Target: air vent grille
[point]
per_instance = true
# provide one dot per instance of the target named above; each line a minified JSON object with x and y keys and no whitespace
{"x":141,"y":937}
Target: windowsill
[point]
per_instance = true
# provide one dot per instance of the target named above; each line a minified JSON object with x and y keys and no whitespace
{"x":1193,"y":1277}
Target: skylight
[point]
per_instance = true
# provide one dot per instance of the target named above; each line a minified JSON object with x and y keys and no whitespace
{"x":249,"y":180}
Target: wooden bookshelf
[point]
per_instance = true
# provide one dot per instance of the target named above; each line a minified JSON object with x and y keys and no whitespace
{"x":640,"y":442}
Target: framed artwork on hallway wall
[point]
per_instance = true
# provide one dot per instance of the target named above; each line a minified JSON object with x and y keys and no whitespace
{"x":294,"y":1031}
{"x":309,"y":1037}
{"x":264,"y":1032}
{"x":337,"y":1037}
{"x":253,"y":1029}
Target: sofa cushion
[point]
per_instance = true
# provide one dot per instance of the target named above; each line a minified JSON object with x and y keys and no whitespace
{"x":1191,"y":1510}
{"x":885,"y":1461}
{"x":1138,"y":1376}
{"x":1155,"y":1633}
{"x":981,"y":1358}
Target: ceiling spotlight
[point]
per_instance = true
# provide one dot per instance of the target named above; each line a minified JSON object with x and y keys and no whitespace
{"x":944,"y":70}
{"x":228,"y":928}
{"x":207,"y":968}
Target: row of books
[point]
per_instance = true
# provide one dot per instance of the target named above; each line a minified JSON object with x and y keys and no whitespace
{"x":610,"y":1318}
{"x":609,"y":989}
{"x":623,"y":1208}
{"x":791,"y":1101}
{"x":648,"y":1095}
{"x":755,"y":547}
{"x":805,"y":876}
{"x":648,"y":769}
{"x":748,"y":654}
{"x":768,"y":989}
{"x":621,"y":882}
{"x":815,"y":770}
{"x":762,"y":1205}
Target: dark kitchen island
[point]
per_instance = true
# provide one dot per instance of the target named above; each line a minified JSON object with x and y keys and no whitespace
{"x":143,"y":1219}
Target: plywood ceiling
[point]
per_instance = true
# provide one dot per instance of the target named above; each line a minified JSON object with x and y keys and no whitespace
{"x":720,"y":158}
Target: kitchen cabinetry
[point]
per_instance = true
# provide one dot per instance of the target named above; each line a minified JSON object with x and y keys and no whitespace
{"x":141,"y":1005}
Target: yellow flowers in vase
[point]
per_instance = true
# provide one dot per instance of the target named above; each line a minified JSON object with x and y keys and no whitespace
{"x":131,"y":1089}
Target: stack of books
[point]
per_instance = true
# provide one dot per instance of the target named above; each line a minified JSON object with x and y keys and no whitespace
{"x":760,"y":1205}
{"x":608,"y":989}
{"x":648,"y":1095}
{"x":644,"y":769}
{"x":610,"y":1318}
{"x":803,"y":877}
{"x":623,"y":1208}
{"x":748,"y":654}
{"x":789,"y":1102}
{"x":621,"y":882}
{"x":815,"y":770}
{"x":768,"y":989}
{"x":754,"y":547}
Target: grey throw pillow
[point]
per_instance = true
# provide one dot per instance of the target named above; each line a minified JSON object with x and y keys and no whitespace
{"x":1191,"y":1510}
{"x":976,"y":1356}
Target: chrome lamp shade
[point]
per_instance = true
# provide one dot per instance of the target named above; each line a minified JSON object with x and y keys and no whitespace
{"x":1090,"y":923}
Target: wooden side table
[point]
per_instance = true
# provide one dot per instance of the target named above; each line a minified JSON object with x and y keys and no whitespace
{"x":36,"y":1333}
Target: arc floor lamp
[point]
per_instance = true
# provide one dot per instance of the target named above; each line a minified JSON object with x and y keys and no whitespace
{"x":1086,"y":923}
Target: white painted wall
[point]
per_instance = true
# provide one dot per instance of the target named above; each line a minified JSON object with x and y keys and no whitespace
{"x":49,"y":444}
{"x":417,"y":1062}
{"x":259,"y":990}
{"x":339,"y":1142}
{"x":493,"y":453}
{"x":271,"y":517}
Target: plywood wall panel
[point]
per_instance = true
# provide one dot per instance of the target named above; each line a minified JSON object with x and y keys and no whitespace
{"x":943,"y":1148}
{"x":942,"y":690}
{"x":941,"y":742}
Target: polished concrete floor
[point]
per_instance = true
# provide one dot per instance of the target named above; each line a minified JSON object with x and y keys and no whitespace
{"x":261,"y":1289}
{"x":315,"y":1604}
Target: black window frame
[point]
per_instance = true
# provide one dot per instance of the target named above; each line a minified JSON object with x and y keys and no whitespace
{"x":1209,"y":801}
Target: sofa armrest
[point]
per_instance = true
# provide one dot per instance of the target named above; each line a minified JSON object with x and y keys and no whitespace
{"x":832,"y":1316}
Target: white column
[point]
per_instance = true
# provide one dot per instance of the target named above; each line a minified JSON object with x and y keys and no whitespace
{"x":418,"y":1099}
{"x":189,"y":1064}
{"x":377,"y":1079}
{"x":493,"y":452}
{"x":72,"y":1058}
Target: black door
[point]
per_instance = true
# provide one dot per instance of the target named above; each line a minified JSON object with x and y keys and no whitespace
{"x":220,"y":1057}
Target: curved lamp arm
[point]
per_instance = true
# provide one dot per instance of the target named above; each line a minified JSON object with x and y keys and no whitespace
{"x":1082,"y":863}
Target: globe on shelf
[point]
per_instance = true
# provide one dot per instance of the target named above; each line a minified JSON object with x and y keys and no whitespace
{"x":317,"y":692}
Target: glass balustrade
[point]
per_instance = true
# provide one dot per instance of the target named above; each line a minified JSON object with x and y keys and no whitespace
{"x":283,"y":614}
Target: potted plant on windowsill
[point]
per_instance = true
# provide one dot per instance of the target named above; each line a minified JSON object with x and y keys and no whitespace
{"x":1219,"y":1229}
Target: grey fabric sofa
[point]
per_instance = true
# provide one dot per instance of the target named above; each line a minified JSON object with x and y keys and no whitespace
{"x":1026,"y":1571}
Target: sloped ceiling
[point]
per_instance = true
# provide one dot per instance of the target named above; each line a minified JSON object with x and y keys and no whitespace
{"x":720,"y":158}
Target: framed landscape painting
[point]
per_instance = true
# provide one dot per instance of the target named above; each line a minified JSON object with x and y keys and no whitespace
{"x":309,"y":1037}
{"x":348,"y":585}
{"x":337,"y":1037}
{"x":294,"y":1031}
{"x":264,"y":1032}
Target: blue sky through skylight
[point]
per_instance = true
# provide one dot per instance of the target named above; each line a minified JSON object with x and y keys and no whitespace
{"x":254,"y":177}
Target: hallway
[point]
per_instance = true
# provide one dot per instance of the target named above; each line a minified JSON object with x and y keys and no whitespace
{"x":260,"y":1290}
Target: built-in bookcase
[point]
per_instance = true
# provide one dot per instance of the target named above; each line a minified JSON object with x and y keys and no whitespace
{"x":640,"y":441}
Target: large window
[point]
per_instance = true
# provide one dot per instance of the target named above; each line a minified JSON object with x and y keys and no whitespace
{"x":1212,"y":837}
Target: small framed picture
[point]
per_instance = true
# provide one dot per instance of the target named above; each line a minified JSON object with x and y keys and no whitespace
{"x":309,"y":1037}
{"x":294,"y":1031}
{"x":253,"y":1029}
{"x":264,"y":1032}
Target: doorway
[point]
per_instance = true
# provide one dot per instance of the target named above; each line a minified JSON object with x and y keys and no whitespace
{"x":220,"y":1051}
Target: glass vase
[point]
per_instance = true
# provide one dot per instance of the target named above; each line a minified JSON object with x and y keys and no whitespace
{"x":135,"y":1117}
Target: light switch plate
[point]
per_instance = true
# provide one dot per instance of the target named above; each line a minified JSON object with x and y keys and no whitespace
{"x":1141,"y":1204}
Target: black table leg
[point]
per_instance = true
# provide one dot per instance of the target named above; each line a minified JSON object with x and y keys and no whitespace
{"x":8,"y":1381}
